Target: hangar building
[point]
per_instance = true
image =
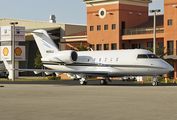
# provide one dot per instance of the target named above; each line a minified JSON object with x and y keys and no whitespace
{"x":56,"y":30}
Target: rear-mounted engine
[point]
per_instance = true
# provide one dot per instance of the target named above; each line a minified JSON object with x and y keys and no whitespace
{"x":68,"y":57}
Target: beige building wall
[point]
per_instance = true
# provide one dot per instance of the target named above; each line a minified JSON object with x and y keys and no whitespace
{"x":65,"y":29}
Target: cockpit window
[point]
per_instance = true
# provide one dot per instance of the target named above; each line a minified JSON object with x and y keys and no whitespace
{"x":142,"y":56}
{"x":152,"y":56}
{"x":146,"y":56}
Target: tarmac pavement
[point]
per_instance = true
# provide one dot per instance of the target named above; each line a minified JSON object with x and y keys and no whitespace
{"x":66,"y":100}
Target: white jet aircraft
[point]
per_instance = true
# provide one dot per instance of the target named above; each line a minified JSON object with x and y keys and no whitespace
{"x":109,"y":63}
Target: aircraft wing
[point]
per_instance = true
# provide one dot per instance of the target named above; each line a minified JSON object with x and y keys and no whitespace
{"x":62,"y":71}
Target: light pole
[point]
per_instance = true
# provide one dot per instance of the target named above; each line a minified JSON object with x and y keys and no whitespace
{"x":154,"y":42}
{"x":13,"y":50}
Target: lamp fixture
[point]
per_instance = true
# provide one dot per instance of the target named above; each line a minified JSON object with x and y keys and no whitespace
{"x":175,"y":6}
{"x":139,"y":13}
{"x":95,"y":14}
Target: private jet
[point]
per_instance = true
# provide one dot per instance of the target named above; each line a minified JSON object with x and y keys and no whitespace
{"x":108,"y":63}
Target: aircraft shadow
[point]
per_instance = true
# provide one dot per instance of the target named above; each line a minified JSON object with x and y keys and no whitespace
{"x":90,"y":83}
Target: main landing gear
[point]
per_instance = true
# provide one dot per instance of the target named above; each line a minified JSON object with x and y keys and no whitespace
{"x":155,"y":81}
{"x":83,"y":81}
{"x":105,"y":81}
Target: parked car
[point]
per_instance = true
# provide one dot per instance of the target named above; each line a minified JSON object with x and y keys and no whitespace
{"x":3,"y":75}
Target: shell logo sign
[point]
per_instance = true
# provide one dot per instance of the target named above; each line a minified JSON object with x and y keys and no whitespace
{"x":18,"y":51}
{"x":5,"y":51}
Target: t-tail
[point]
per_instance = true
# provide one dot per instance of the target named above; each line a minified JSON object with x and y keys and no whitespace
{"x":50,"y":51}
{"x":46,"y":45}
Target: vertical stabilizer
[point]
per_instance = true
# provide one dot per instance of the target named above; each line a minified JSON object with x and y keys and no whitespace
{"x":45,"y":44}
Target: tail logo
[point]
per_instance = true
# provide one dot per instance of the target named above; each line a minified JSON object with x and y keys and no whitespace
{"x":44,"y":43}
{"x":5,"y":51}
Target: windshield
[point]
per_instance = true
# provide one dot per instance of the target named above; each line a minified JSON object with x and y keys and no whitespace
{"x":146,"y":56}
{"x":152,"y":56}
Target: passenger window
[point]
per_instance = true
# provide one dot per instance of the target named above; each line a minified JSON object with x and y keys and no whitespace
{"x":105,"y":59}
{"x":142,"y":56}
{"x":111,"y":59}
{"x":100,"y":59}
{"x":152,"y":56}
{"x":94,"y":60}
{"x":116,"y":59}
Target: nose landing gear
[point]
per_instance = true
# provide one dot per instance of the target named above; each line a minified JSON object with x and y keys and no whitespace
{"x":155,"y":81}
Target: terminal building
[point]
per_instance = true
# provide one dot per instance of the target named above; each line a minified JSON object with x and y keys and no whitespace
{"x":125,"y":24}
{"x":111,"y":25}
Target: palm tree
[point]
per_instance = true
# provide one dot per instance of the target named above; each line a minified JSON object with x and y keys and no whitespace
{"x":160,"y":53}
{"x":82,"y":48}
{"x":37,"y":60}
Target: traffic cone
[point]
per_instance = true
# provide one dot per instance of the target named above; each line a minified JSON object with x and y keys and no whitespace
{"x":174,"y":81}
{"x":143,"y":81}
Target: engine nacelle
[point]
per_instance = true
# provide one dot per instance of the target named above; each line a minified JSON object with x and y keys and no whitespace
{"x":67,"y":56}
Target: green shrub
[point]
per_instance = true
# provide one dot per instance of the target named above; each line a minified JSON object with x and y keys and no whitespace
{"x":160,"y":78}
{"x":149,"y":78}
{"x":53,"y":77}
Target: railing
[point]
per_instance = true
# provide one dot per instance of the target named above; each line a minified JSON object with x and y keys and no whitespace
{"x":137,"y":31}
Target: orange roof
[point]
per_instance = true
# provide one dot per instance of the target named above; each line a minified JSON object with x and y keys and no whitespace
{"x":78,"y":34}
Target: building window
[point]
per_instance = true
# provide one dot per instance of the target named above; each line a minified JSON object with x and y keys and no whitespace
{"x":106,"y":46}
{"x":99,"y":47}
{"x":91,"y":28}
{"x":98,"y":27}
{"x":161,"y":47}
{"x":105,"y":27}
{"x":134,"y":46}
{"x":114,"y":46}
{"x":123,"y":45}
{"x":123,"y":27}
{"x":93,"y":47}
{"x":170,"y":22}
{"x":142,"y":46}
{"x":113,"y":26}
{"x":170,"y":47}
{"x":150,"y":44}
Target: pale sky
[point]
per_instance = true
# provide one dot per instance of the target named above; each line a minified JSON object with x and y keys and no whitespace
{"x":66,"y":11}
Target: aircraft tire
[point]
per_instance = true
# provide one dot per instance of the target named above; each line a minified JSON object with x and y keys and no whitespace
{"x":103,"y":82}
{"x":83,"y":82}
{"x":154,"y":83}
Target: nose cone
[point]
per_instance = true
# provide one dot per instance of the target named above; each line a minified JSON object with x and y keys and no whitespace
{"x":170,"y":68}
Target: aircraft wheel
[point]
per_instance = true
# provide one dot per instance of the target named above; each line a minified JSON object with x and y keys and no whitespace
{"x":103,"y":82}
{"x":83,"y":82}
{"x":154,"y":83}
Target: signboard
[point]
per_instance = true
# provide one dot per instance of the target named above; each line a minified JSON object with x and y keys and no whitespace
{"x":6,"y":52}
{"x":6,"y":33}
